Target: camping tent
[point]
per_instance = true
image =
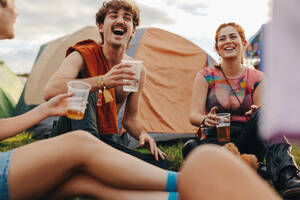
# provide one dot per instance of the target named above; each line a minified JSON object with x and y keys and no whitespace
{"x":10,"y":90}
{"x":171,"y":63}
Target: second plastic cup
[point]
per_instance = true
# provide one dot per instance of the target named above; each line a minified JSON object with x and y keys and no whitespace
{"x":76,"y":104}
{"x":136,"y":65}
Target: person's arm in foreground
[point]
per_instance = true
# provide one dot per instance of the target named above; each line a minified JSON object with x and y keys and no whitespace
{"x":211,"y":172}
{"x":14,"y":125}
{"x":198,"y":107}
{"x":134,"y":126}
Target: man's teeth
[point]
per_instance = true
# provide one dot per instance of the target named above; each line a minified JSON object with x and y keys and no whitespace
{"x":118,"y":31}
{"x":229,"y":48}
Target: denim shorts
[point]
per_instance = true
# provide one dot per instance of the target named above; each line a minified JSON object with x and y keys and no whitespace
{"x":4,"y":167}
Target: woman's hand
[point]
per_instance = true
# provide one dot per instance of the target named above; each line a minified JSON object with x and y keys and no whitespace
{"x":211,"y":119}
{"x":114,"y":77}
{"x":58,"y":105}
{"x":252,"y":110}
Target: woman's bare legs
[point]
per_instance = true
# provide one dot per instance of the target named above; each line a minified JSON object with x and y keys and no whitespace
{"x":214,"y":173}
{"x":38,"y":168}
{"x":82,"y":184}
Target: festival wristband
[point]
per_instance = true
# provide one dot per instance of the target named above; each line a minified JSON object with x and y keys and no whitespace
{"x":107,"y":96}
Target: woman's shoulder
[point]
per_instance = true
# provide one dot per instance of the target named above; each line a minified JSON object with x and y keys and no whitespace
{"x":210,"y":70}
{"x":254,"y":77}
{"x":254,"y":73}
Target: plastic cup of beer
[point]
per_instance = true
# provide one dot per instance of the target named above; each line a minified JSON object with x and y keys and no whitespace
{"x":136,"y":65}
{"x":76,"y":103}
{"x":223,"y":127}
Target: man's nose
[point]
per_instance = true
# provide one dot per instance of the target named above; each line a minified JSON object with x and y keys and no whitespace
{"x":120,"y":20}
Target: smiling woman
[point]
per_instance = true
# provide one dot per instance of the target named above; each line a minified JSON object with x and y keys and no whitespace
{"x":231,"y":87}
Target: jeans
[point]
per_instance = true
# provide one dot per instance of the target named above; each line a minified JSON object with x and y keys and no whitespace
{"x":4,"y":167}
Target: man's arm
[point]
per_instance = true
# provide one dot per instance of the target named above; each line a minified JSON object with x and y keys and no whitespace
{"x":68,"y":71}
{"x":130,"y":120}
{"x":134,"y":126}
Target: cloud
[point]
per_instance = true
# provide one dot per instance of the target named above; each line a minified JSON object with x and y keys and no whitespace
{"x":195,"y":9}
{"x":192,"y":7}
{"x":37,"y":18}
{"x":19,"y":60}
{"x":45,"y":17}
{"x":152,"y":15}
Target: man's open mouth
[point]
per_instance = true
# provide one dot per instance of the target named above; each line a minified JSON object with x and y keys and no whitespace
{"x":119,"y":30}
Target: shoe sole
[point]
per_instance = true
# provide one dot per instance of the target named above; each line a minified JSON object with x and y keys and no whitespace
{"x":292,"y":194}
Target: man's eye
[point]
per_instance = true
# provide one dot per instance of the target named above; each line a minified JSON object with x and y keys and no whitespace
{"x":127,"y":18}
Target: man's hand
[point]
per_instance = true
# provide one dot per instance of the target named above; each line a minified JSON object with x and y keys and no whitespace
{"x":114,"y":77}
{"x":146,"y":140}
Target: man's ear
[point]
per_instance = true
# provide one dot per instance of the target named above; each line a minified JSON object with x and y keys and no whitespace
{"x":100,"y":27}
{"x":133,"y":32}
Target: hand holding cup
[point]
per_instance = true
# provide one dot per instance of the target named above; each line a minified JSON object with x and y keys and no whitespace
{"x":76,"y":103}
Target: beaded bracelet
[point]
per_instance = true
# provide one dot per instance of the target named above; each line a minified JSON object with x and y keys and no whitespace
{"x":107,"y":96}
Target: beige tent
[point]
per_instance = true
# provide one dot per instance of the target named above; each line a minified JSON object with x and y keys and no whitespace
{"x":49,"y":59}
{"x":171,"y":63}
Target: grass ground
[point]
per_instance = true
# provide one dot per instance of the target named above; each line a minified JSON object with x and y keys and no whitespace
{"x":173,"y":152}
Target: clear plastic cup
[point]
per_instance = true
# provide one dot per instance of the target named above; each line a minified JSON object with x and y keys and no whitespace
{"x":76,"y":103}
{"x":223,"y":127}
{"x":136,"y":65}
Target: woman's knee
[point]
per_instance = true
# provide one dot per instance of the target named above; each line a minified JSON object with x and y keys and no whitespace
{"x":82,"y":139}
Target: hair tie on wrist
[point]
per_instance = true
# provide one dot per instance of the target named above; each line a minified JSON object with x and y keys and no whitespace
{"x":203,"y":122}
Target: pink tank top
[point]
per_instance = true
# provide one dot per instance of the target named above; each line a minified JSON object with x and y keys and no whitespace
{"x":220,"y":95}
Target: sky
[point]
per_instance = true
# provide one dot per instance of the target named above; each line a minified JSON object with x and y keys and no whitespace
{"x":41,"y":21}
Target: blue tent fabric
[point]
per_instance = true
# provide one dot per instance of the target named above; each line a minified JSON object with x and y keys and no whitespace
{"x":255,"y":47}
